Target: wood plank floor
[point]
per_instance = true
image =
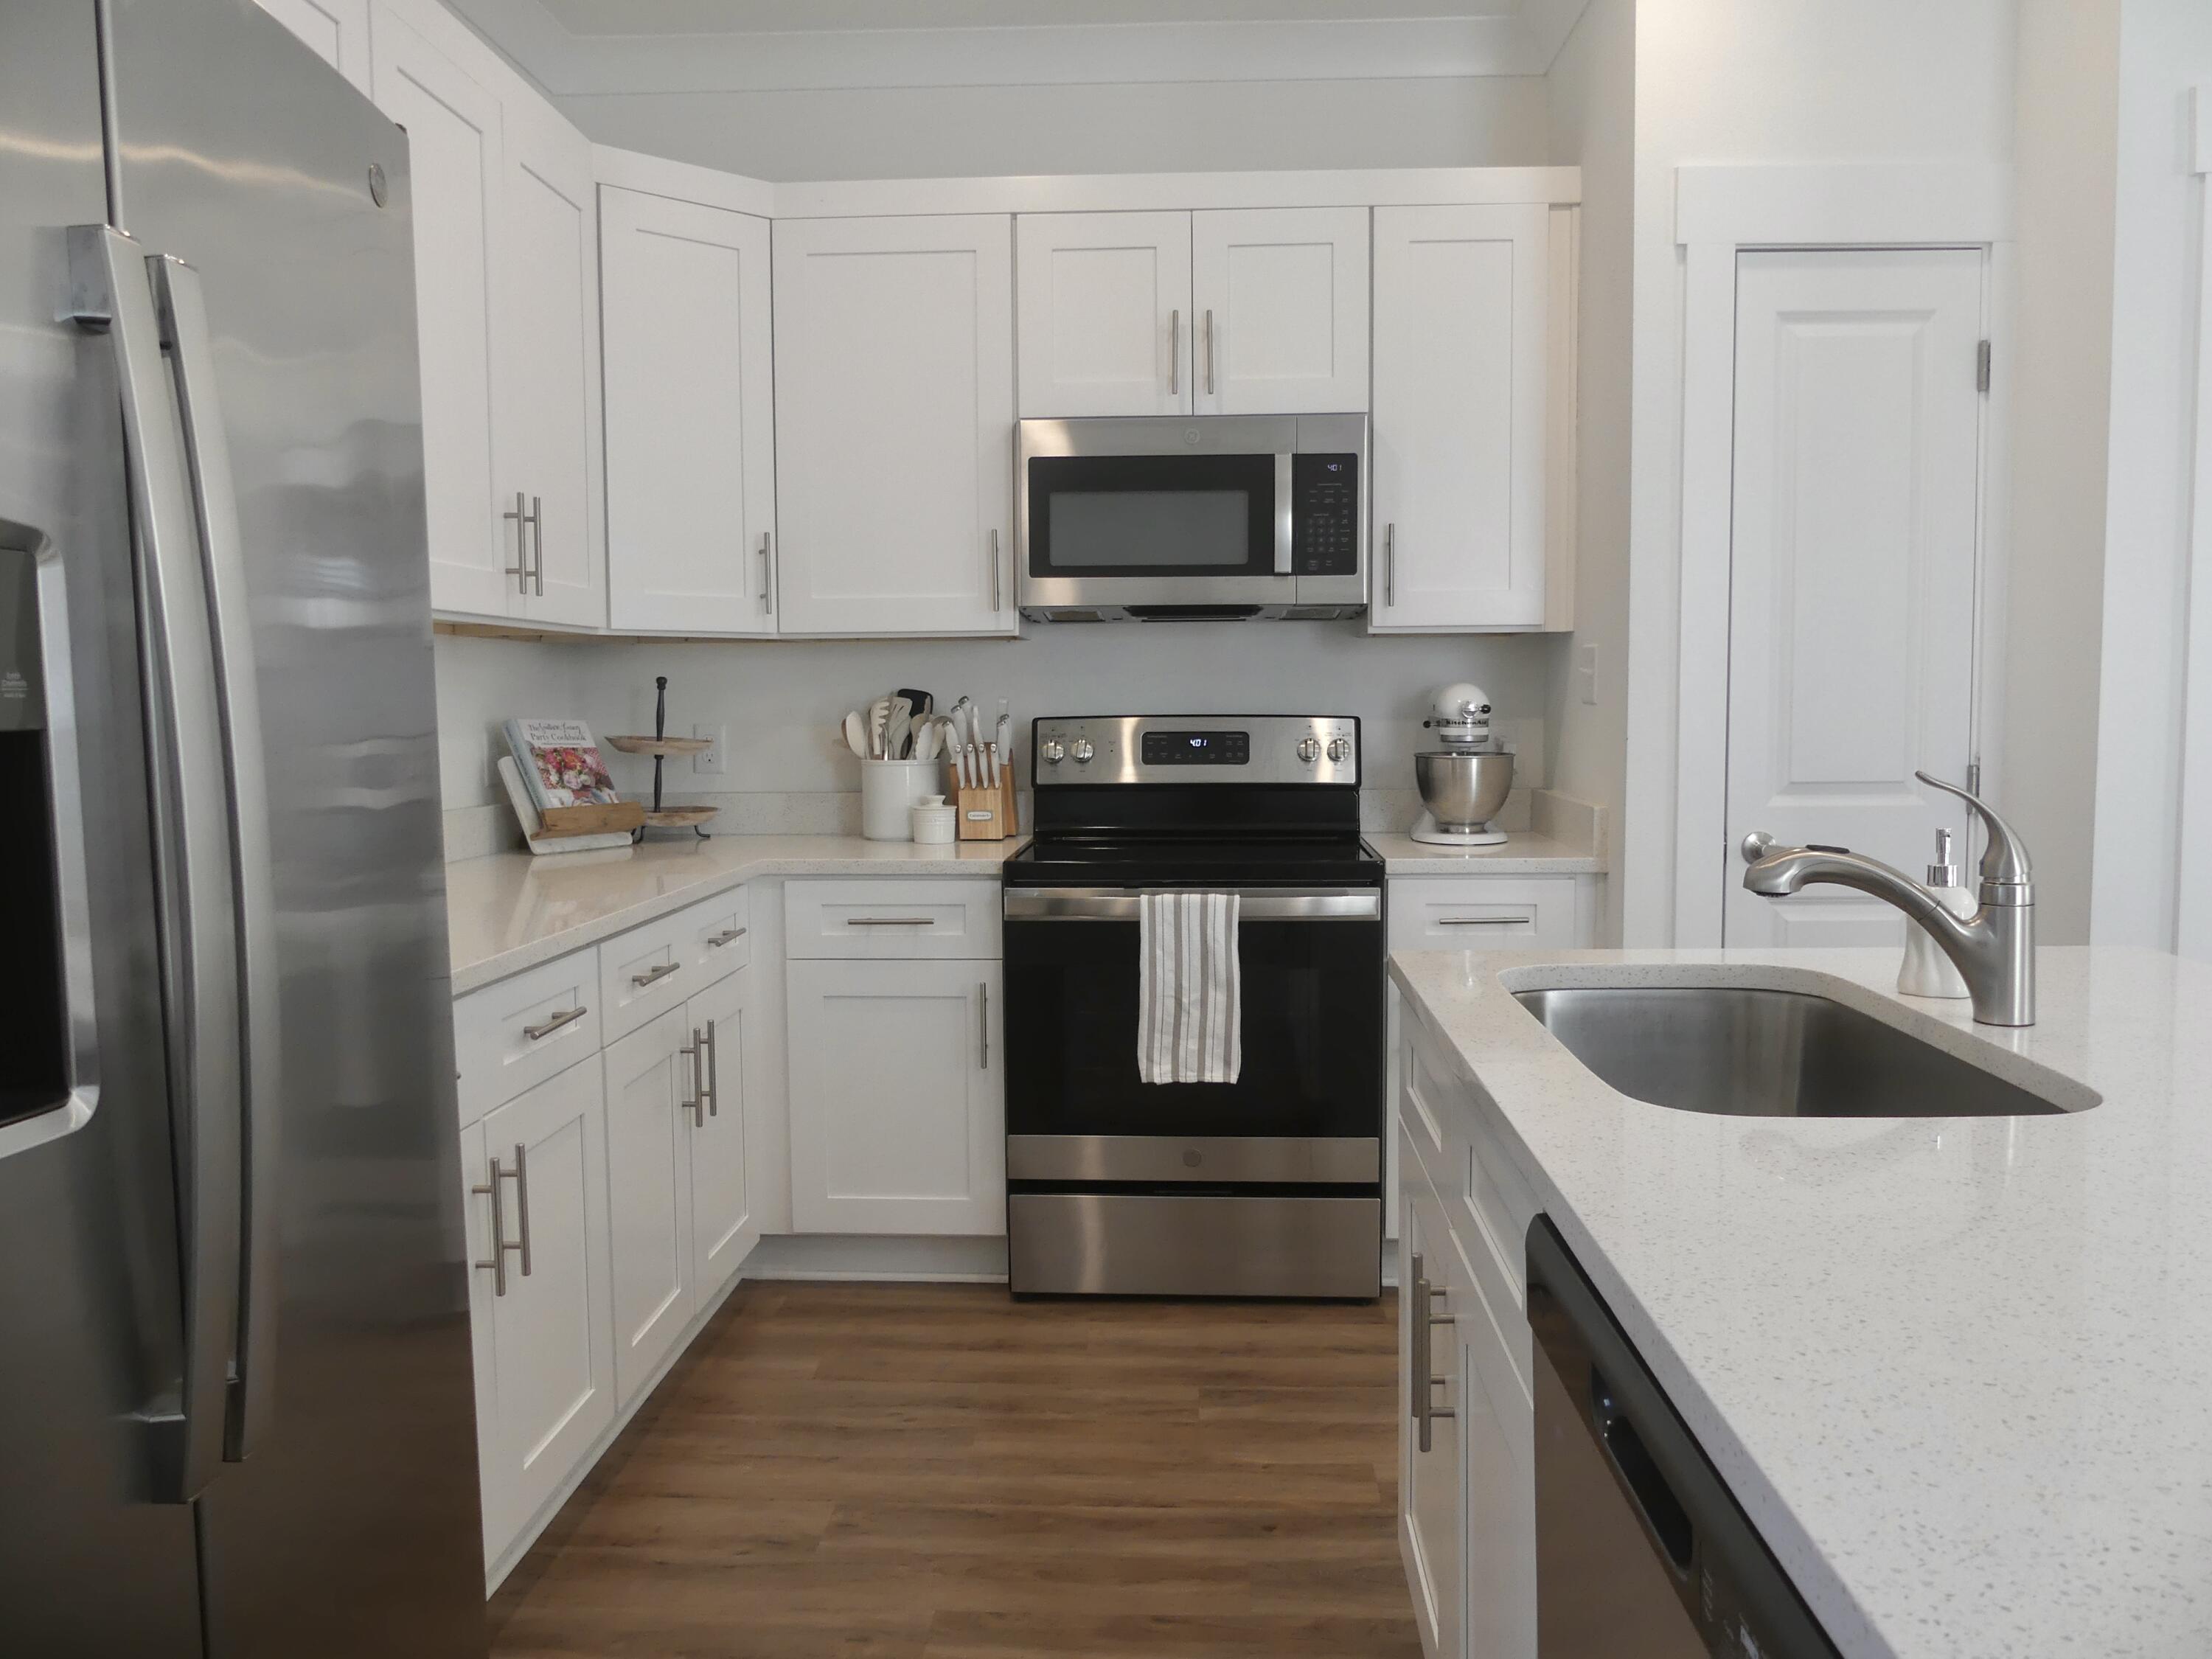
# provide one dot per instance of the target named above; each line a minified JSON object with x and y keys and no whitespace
{"x":938,"y":1472}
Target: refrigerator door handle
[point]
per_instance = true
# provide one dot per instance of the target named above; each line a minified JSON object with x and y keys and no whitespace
{"x":182,"y":313}
{"x":111,"y":292}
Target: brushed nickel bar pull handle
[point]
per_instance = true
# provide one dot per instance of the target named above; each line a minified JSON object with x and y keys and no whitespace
{"x":1390,"y":566}
{"x":697,"y":1105}
{"x":714,"y":1072}
{"x":768,"y":575}
{"x":522,"y":1201}
{"x":1174,"y":350}
{"x":1417,"y":1360}
{"x":1486,"y":921}
{"x":499,"y":1246}
{"x":537,"y":541}
{"x":890,"y":921}
{"x":983,"y":1023}
{"x":731,"y":937}
{"x":521,"y":568}
{"x":1430,"y":1410}
{"x":998,"y":590}
{"x":553,"y":1022}
{"x":1209,"y":351}
{"x":655,"y":975}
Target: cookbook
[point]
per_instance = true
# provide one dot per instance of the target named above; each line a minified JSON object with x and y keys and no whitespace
{"x":559,"y":763}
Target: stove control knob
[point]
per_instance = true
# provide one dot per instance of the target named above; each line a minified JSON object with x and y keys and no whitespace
{"x":1054,"y":751}
{"x":1308,"y":750}
{"x":1083,"y":751}
{"x":1339,"y":747}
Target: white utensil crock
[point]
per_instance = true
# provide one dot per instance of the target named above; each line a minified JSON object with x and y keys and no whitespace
{"x":888,"y":788}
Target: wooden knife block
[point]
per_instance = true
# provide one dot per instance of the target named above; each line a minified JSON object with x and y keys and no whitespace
{"x":987,"y":814}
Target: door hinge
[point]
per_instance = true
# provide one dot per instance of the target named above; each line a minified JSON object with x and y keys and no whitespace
{"x":1982,"y":367}
{"x":1974,"y":776}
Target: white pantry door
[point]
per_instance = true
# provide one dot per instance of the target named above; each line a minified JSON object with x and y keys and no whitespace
{"x":1852,"y":612}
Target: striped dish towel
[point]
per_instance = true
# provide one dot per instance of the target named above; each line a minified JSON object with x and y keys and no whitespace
{"x":1190,"y":1018}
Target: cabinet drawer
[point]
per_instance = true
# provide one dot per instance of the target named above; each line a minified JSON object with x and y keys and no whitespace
{"x":717,"y":939}
{"x":650,"y":969}
{"x":1477,"y":912}
{"x":510,"y":1036}
{"x":892,"y":919}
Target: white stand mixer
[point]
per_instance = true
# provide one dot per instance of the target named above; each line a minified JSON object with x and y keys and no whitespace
{"x":1464,"y":783}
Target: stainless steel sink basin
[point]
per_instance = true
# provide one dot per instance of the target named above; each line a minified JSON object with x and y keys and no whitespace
{"x":1751,"y":1053}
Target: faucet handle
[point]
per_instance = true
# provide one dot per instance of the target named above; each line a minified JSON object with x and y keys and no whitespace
{"x":2004,"y":859}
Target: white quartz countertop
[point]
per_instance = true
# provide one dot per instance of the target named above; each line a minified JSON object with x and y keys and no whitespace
{"x":511,"y":911}
{"x":1954,"y":1370}
{"x":514,"y":910}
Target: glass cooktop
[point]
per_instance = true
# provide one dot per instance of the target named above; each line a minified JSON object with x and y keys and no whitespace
{"x":1142,"y":861}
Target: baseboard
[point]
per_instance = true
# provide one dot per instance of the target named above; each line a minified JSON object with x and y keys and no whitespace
{"x":897,"y":1258}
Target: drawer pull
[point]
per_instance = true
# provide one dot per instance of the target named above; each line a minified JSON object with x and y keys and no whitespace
{"x":731,"y":937}
{"x":1486,"y":921}
{"x":654,"y":976}
{"x":552,"y":1022}
{"x":890,"y":921}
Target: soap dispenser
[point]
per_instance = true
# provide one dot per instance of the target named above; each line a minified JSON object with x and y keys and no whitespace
{"x":1927,"y":971}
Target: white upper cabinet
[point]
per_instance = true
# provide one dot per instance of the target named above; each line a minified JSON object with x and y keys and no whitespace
{"x":1464,"y":379}
{"x":336,"y":30}
{"x":691,"y":425}
{"x":1105,"y":308}
{"x":894,"y":425}
{"x":457,"y":173}
{"x":545,"y":366}
{"x":1279,"y":311}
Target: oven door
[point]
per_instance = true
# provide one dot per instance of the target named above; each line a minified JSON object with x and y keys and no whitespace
{"x":1121,"y":515}
{"x":1307,"y":1107}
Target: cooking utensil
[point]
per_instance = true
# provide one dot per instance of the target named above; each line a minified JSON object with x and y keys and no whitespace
{"x":898,"y":728}
{"x":879,"y":714}
{"x":855,"y":731}
{"x":918,"y":700}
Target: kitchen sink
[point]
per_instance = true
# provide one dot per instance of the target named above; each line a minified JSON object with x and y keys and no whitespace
{"x":1745,"y":1051}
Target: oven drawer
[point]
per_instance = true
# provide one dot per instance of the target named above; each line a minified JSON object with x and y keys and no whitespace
{"x":1148,"y":1244}
{"x":949,"y":916}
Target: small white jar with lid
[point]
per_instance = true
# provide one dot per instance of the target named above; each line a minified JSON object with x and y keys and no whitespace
{"x":932,"y":821}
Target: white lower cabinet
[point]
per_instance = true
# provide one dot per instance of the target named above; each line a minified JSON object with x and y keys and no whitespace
{"x":1467,"y":1525}
{"x":539,"y":1323}
{"x":897,"y":1097}
{"x":651,"y":1097}
{"x":724,"y":1224}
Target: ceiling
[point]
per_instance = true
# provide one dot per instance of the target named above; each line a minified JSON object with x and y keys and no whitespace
{"x":584,"y":46}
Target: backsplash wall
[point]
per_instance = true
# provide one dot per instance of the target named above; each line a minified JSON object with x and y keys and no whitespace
{"x":788,"y":771}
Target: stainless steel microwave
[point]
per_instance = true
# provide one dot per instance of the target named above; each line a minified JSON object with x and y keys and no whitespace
{"x":1192,"y":518}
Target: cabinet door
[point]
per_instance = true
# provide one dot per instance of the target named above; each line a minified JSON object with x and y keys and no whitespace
{"x":336,"y":30}
{"x":690,"y":403}
{"x":546,"y":363}
{"x":1105,"y":309}
{"x":723,"y":1227}
{"x":1431,"y":1498}
{"x":1280,"y":305}
{"x":545,"y":1351}
{"x":651,"y":1085}
{"x":456,"y":169}
{"x":894,"y":425}
{"x":1462,"y":320}
{"x":897,"y":1109}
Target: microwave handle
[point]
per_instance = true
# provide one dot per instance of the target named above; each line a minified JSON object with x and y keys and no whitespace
{"x":1283,"y":514}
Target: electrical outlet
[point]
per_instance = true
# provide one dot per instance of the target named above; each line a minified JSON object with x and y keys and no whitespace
{"x":708,"y":762}
{"x":1586,"y":672}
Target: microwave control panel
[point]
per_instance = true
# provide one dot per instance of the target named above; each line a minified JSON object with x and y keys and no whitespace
{"x":1325,"y":514}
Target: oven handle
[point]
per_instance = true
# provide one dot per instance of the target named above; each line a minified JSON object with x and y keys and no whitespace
{"x":1253,"y":904}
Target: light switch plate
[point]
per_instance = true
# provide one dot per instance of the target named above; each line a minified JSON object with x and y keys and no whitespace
{"x":708,"y":763}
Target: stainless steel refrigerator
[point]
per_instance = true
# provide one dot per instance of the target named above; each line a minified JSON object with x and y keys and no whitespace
{"x":235,"y":1397}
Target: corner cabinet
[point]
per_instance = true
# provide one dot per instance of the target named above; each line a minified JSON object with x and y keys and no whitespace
{"x":690,"y":416}
{"x":895,"y":425}
{"x":1472,"y":451}
{"x":507,"y":317}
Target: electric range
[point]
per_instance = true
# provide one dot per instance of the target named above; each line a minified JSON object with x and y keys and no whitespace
{"x":1268,"y":1186}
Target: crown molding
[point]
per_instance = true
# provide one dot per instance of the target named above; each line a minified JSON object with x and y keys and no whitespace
{"x":1523,"y":43}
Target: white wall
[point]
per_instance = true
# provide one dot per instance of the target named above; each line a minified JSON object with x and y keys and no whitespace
{"x":2067,"y":77}
{"x":1592,"y":104}
{"x":1745,"y":82}
{"x":963,"y":132}
{"x":782,"y":699}
{"x":2165,"y":46}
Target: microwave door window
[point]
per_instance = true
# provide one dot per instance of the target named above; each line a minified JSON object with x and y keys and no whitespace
{"x":1141,"y":529}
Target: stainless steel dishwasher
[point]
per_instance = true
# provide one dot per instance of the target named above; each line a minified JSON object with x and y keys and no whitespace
{"x":1640,"y":1548}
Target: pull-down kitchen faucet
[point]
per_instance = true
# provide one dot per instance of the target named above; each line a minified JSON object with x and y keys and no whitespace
{"x":1994,"y":948}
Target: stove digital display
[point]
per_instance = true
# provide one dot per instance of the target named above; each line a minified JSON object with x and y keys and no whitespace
{"x":1197,"y":749}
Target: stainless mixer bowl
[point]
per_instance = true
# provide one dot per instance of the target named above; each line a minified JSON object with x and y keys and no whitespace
{"x":1463,"y":791}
